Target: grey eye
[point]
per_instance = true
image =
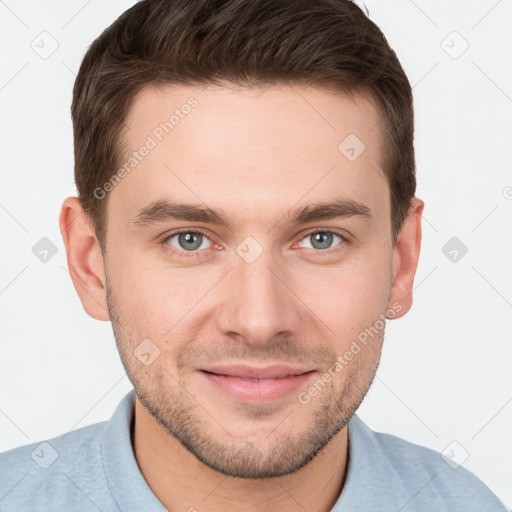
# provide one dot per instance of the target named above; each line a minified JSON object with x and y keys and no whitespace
{"x":189,"y":240}
{"x":322,"y":239}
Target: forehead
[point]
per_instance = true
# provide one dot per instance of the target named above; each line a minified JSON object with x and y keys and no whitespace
{"x":249,"y":148}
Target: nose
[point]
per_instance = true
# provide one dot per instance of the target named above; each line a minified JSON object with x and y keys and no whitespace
{"x":258,"y":302}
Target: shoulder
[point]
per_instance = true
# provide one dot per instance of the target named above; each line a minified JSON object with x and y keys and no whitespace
{"x":66,"y":469}
{"x":427,"y":477}
{"x":43,"y":454}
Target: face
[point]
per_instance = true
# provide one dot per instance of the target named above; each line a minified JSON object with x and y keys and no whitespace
{"x":252,"y":271}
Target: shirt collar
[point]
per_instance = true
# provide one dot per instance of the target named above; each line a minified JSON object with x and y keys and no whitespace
{"x":125,"y":480}
{"x":364,"y":477}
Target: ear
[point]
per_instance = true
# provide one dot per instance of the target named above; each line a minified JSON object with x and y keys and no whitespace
{"x":85,"y":261}
{"x":405,"y":258}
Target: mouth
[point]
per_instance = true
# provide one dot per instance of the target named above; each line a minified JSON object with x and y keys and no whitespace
{"x":250,"y":384}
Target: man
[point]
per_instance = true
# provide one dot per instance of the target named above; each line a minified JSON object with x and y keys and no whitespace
{"x":246,"y":219}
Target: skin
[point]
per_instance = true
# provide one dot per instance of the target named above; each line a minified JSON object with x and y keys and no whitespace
{"x":255,"y":154}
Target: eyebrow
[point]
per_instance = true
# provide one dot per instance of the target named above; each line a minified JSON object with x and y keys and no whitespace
{"x":164,"y":210}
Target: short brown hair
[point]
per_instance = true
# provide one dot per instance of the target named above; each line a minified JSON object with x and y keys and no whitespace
{"x":330,"y":44}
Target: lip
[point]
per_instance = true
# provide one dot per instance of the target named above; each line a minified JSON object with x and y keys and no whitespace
{"x":277,"y":371}
{"x":257,"y":385}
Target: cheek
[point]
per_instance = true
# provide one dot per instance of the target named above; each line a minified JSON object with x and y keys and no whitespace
{"x":351,"y":297}
{"x":157,"y":299}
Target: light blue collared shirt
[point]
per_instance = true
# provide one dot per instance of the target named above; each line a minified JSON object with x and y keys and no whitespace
{"x":94,"y":469}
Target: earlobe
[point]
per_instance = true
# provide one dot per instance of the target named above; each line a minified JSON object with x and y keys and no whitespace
{"x":405,"y":258}
{"x":85,"y":261}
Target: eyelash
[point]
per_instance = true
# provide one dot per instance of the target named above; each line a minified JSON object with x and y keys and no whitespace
{"x":193,"y":254}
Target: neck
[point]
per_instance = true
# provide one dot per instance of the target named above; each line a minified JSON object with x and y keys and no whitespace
{"x":181,"y":482}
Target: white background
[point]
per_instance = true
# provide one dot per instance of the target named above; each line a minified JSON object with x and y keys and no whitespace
{"x":445,"y":370}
